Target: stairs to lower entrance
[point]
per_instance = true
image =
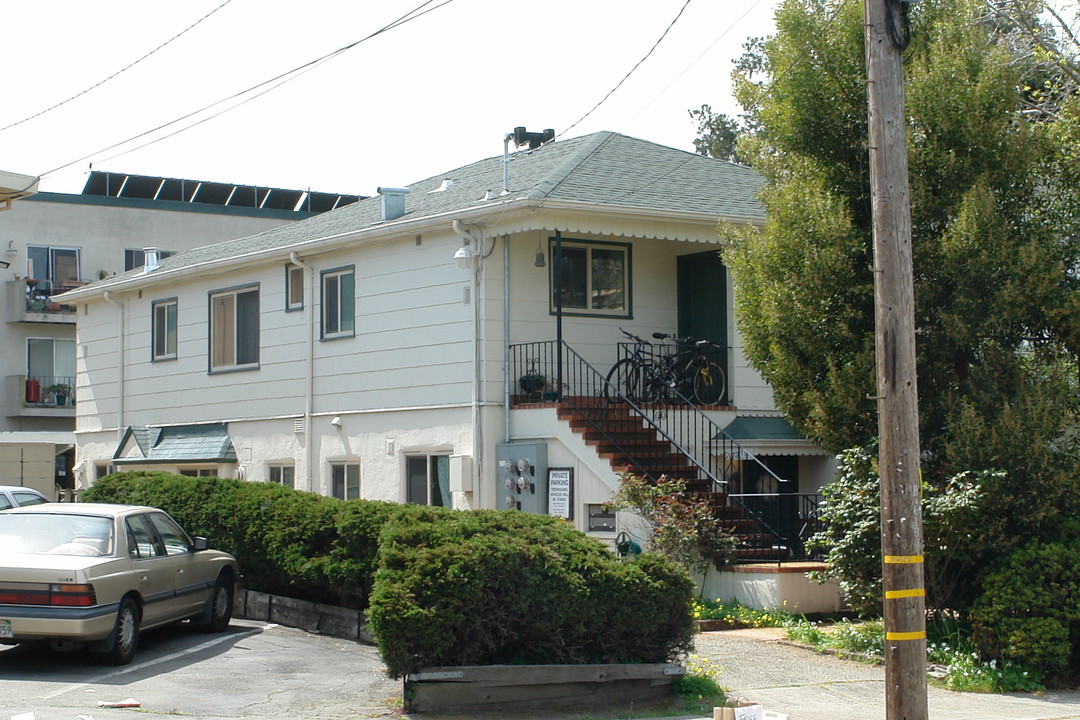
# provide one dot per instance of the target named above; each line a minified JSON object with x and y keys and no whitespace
{"x":622,"y":437}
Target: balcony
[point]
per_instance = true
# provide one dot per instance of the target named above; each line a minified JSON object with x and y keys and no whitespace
{"x":46,"y":396}
{"x":30,"y":300}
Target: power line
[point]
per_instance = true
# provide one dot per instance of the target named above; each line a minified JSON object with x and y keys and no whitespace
{"x":632,"y":70}
{"x":273,"y":83}
{"x":696,"y":60}
{"x":118,"y":72}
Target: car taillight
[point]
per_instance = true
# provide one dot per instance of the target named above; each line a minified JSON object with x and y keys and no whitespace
{"x":35,"y":596}
{"x":64,"y":595}
{"x":72,"y":595}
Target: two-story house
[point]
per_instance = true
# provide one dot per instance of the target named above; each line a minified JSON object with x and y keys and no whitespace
{"x":52,"y":242}
{"x":451,"y":343}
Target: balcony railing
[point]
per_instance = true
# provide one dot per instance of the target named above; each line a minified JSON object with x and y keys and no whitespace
{"x":37,"y":296}
{"x":49,"y":391}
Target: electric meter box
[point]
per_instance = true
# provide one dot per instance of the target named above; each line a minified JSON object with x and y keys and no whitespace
{"x":521,"y":477}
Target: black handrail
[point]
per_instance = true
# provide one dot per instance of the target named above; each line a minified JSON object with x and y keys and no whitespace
{"x":652,"y":439}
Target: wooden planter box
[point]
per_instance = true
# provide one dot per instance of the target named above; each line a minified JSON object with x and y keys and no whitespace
{"x":520,"y":687}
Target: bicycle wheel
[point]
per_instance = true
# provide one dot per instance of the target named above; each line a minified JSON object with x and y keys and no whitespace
{"x":709,"y":382}
{"x":623,"y":380}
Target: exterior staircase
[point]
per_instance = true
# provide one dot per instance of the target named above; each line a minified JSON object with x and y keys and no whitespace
{"x":621,"y":436}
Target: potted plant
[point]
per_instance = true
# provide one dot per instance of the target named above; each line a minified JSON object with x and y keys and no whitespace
{"x":61,"y":391}
{"x":532,"y":382}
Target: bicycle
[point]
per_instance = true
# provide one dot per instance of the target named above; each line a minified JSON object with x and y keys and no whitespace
{"x":637,"y":377}
{"x":691,"y":371}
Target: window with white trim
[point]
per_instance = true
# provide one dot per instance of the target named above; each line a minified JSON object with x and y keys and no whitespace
{"x":593,"y":278}
{"x":338,"y":303}
{"x":284,"y":475}
{"x":234,"y":329}
{"x":294,"y":287}
{"x":427,"y":480}
{"x":164,"y":330}
{"x":345,"y":480}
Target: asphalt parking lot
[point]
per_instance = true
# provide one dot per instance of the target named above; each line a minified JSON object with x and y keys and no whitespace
{"x":264,"y":671}
{"x":255,"y":670}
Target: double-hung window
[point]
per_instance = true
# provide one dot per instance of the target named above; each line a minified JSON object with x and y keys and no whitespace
{"x":428,"y":478}
{"x":234,"y":329}
{"x":338,"y":303}
{"x":592,"y":278}
{"x":164,"y":321}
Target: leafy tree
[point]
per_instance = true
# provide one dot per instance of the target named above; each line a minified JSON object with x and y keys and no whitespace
{"x":717,"y":134}
{"x":993,"y":123}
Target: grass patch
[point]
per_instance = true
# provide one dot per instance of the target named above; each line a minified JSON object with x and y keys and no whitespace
{"x":737,"y":615}
{"x":952,"y":660}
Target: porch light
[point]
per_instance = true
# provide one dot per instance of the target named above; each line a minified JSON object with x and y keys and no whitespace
{"x":463,"y":257}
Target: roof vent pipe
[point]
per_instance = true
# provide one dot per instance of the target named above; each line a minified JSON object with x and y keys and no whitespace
{"x":150,"y":259}
{"x":393,"y":202}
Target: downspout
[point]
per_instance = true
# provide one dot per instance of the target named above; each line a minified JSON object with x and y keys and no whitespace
{"x":309,"y":391}
{"x":506,"y":338}
{"x":122,"y":363}
{"x":476,"y":248}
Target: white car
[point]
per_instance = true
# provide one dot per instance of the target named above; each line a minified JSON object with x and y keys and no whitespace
{"x":94,"y":575}
{"x":17,"y":495}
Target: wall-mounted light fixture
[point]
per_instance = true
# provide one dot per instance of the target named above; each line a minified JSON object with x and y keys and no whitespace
{"x":540,"y":261}
{"x":336,"y":421}
{"x":464,"y":257}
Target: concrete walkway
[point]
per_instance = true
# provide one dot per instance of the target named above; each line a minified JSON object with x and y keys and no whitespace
{"x":760,"y":666}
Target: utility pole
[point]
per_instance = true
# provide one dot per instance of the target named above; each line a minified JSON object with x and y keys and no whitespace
{"x":887,"y":33}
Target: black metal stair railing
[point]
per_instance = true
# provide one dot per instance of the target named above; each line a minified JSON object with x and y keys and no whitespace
{"x":673,"y":438}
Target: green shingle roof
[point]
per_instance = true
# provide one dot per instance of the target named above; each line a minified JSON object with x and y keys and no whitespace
{"x":180,"y":444}
{"x":606,"y":169}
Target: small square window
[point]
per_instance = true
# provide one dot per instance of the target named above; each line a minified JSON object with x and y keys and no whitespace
{"x":592,"y":278}
{"x":345,"y":479}
{"x":283,"y":475}
{"x":428,"y":480}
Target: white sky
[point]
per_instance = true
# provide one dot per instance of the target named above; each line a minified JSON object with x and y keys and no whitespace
{"x":434,"y":94}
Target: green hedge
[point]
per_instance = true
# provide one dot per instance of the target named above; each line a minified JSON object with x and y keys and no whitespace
{"x":445,"y":587}
{"x":291,"y":543}
{"x":496,"y":587}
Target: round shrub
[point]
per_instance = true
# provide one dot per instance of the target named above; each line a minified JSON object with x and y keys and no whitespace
{"x":1029,"y":609}
{"x":498,"y":587}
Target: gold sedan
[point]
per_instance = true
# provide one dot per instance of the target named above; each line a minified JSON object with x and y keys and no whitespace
{"x":93,"y":575}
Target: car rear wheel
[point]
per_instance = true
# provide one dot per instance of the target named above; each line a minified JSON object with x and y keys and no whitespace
{"x":126,"y":633}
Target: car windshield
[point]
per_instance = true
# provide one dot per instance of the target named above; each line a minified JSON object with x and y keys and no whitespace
{"x":87,"y":535}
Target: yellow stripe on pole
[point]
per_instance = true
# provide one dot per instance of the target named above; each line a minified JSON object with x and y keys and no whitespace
{"x":897,"y":594}
{"x":906,"y":636}
{"x":903,"y":559}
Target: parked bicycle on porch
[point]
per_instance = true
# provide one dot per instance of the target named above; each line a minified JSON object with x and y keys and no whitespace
{"x":648,"y":375}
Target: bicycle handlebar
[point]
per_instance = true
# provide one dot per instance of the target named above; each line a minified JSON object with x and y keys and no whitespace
{"x":635,"y":338}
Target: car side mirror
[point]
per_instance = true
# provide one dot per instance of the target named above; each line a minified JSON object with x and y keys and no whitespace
{"x":200,"y":543}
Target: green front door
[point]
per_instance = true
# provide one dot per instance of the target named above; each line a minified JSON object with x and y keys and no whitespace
{"x":703,"y":312}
